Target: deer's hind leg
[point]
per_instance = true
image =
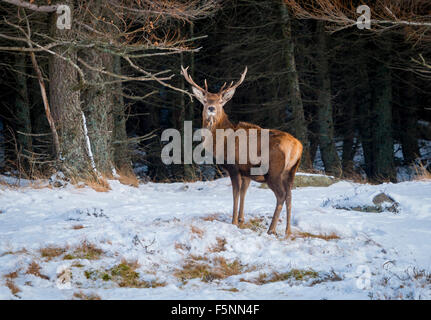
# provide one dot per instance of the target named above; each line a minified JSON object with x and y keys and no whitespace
{"x":245,"y":183}
{"x":289,"y":185}
{"x":280,"y":193}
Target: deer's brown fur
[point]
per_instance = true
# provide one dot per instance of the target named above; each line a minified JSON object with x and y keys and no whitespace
{"x":284,"y":154}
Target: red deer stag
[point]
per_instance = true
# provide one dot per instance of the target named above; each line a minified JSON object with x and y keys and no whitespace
{"x":284,"y":154}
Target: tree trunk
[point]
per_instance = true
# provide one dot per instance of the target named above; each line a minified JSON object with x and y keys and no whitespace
{"x":365,"y":120}
{"x":65,"y":106}
{"x":299,"y":125}
{"x":409,"y":122}
{"x":424,"y":131}
{"x":22,"y":106}
{"x":348,"y":127}
{"x":97,"y":102}
{"x":382,"y":139}
{"x":188,"y":171}
{"x":324,"y":111}
{"x":120,"y":144}
{"x":2,"y":149}
{"x":348,"y":121}
{"x":190,"y":114}
{"x":314,"y":139}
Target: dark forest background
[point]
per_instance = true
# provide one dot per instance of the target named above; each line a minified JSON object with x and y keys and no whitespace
{"x":114,"y":78}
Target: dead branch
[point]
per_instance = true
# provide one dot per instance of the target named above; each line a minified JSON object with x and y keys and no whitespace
{"x":42,"y":88}
{"x":157,"y":79}
{"x":32,"y":6}
{"x":385,"y":14}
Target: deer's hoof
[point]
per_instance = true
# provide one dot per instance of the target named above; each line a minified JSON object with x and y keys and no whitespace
{"x":272,"y":232}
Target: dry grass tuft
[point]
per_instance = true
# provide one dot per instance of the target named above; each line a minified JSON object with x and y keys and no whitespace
{"x":12,"y":287}
{"x":9,"y":185}
{"x":197,"y":231}
{"x":82,"y":296}
{"x":85,"y":250}
{"x":254,"y":224}
{"x":181,"y":246}
{"x":192,"y":270}
{"x":77,"y":265}
{"x":34,"y":269}
{"x":128,"y":177}
{"x":126,"y":276}
{"x":220,"y":246}
{"x":231,"y":290}
{"x":11,"y":275}
{"x":39,"y":185}
{"x":134,"y":264}
{"x":100,"y":184}
{"x":10,"y":283}
{"x":207,"y":271}
{"x":21,"y":251}
{"x":94,"y":181}
{"x":421,"y":173}
{"x":228,"y":269}
{"x":327,"y":237}
{"x":197,"y":258}
{"x":422,"y":276}
{"x":331,"y":276}
{"x":294,"y":274}
{"x":51,"y":252}
{"x":212,"y":217}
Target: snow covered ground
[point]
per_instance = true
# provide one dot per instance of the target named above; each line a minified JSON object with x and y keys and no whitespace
{"x":177,"y":240}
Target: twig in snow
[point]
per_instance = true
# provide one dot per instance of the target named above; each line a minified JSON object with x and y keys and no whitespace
{"x":136,"y":241}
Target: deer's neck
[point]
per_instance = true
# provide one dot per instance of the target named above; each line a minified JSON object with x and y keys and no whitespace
{"x":222,"y":122}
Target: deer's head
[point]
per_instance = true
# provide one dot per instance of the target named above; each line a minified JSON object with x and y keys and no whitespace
{"x":212,"y":102}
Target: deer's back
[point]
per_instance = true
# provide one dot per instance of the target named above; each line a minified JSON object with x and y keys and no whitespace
{"x":284,"y":150}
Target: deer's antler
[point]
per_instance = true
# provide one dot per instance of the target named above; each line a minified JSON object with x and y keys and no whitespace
{"x":190,"y":80}
{"x":231,"y":86}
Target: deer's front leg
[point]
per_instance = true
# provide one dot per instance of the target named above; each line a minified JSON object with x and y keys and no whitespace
{"x":245,"y":182}
{"x":236,"y":185}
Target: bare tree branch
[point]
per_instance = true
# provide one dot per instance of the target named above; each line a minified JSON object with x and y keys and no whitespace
{"x":32,"y":6}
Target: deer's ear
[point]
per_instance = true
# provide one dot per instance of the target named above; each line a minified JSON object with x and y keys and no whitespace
{"x":199,"y":95}
{"x":228,"y":95}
